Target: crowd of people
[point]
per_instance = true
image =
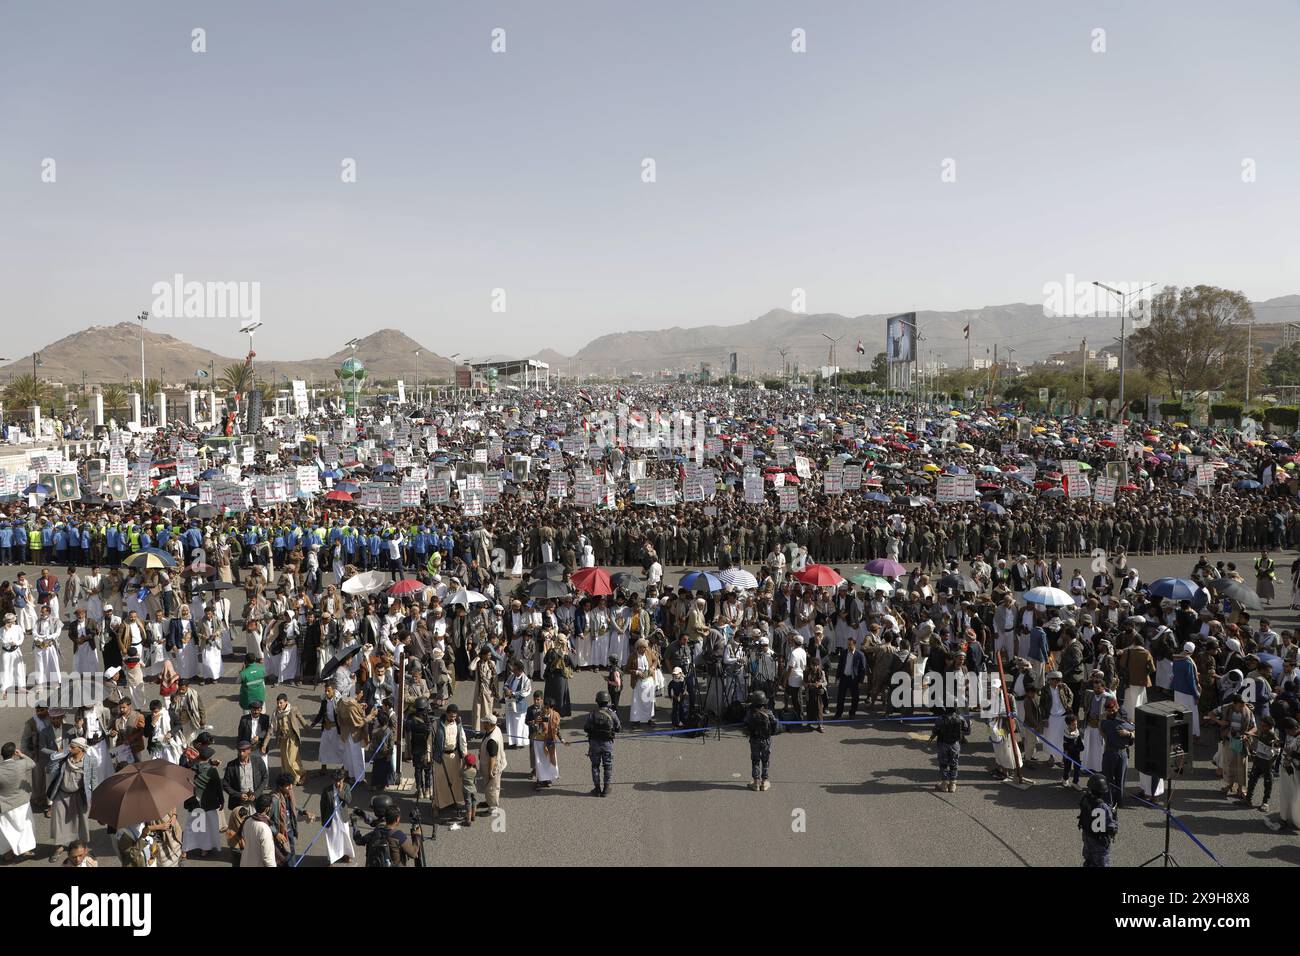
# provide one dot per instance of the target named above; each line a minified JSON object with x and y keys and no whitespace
{"x":193,"y":588}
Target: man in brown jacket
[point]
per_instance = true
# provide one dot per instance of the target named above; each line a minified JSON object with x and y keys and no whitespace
{"x":1136,"y":668}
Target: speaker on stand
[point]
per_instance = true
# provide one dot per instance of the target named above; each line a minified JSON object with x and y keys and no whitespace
{"x":1162,"y":734}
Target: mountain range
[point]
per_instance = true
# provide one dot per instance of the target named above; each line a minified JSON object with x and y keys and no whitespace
{"x":1019,"y":331}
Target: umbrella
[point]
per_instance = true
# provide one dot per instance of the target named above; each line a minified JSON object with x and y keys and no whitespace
{"x":701,"y":581}
{"x":886,"y":568}
{"x":877,"y":496}
{"x":1048,"y":597}
{"x":958,"y":583}
{"x":820,"y":575}
{"x":204,"y":511}
{"x":551,"y":569}
{"x":364,"y":583}
{"x":467,"y":597}
{"x":199,"y":568}
{"x":994,"y":508}
{"x":150,"y":558}
{"x":405,"y":586}
{"x":548,"y":588}
{"x":627,"y":581}
{"x":738,"y":578}
{"x":215,"y":586}
{"x":1247,"y":485}
{"x":36,"y":488}
{"x":337,"y":494}
{"x":335,"y":662}
{"x":1236,"y":591}
{"x":141,"y":792}
{"x":594,"y":581}
{"x":871,"y":582}
{"x":1176,"y":589}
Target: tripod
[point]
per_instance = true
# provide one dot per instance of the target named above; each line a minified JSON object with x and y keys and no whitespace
{"x":1175,"y":766}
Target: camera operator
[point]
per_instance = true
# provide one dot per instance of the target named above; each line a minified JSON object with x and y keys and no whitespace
{"x":385,"y":845}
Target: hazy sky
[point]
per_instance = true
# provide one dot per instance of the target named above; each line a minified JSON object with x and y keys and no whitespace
{"x":522,"y":170}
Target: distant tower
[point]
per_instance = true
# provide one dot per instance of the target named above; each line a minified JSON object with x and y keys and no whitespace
{"x":352,"y":377}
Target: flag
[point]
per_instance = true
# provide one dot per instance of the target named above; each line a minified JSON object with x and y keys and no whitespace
{"x":202,"y":373}
{"x":965,"y":333}
{"x":861,"y":350}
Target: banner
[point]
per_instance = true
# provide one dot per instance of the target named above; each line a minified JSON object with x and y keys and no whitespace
{"x":788,"y":497}
{"x":952,"y":488}
{"x":900,"y":338}
{"x":1104,"y":490}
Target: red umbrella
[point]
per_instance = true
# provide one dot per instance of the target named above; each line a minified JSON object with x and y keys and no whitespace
{"x":336,"y":495}
{"x":594,"y":581}
{"x":820,"y":575}
{"x":406,"y":587}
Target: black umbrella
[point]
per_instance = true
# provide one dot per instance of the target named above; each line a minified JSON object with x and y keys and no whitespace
{"x":204,"y":511}
{"x":214,"y":586}
{"x":548,"y":588}
{"x":626,"y":580}
{"x":958,"y":584}
{"x":335,"y":662}
{"x":550,"y":569}
{"x":1236,"y":591}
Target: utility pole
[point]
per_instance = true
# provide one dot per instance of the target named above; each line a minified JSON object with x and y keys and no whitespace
{"x":784,"y":366}
{"x":1123,"y":298}
{"x":1250,"y":350}
{"x":1084,"y":349}
{"x":143,"y":317}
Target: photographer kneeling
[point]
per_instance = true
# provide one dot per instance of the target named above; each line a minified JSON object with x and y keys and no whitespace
{"x":386,"y":845}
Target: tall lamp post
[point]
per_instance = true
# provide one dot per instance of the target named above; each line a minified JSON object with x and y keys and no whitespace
{"x":144,"y":399}
{"x":834,"y":342}
{"x":1123,"y":298}
{"x":417,"y":376}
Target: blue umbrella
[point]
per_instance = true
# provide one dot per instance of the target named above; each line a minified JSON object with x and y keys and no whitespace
{"x":36,"y":488}
{"x":348,"y":486}
{"x":1175,"y":589}
{"x":994,"y":508}
{"x":1247,"y":485}
{"x":210,"y":473}
{"x":877,"y":496}
{"x":700,"y":581}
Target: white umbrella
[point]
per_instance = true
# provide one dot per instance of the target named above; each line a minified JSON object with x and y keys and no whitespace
{"x":1049,"y":597}
{"x":366,"y":583}
{"x":467,"y":597}
{"x":738,"y":578}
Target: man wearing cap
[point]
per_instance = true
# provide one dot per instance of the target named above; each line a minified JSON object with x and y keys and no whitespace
{"x":13,"y":670}
{"x":1117,"y":733}
{"x":245,"y":777}
{"x":760,"y":725}
{"x":601,"y":726}
{"x":492,"y":761}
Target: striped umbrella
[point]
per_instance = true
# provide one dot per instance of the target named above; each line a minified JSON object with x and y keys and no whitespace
{"x":738,"y":578}
{"x":1048,"y":597}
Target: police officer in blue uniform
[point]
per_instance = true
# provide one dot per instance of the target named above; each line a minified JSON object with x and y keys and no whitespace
{"x":601,"y":726}
{"x":949,"y":730}
{"x":1098,"y":821}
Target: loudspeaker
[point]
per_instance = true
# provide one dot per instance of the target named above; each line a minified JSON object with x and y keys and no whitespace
{"x":1163,"y":738}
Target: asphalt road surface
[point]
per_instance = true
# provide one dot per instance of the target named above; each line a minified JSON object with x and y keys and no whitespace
{"x":859,"y":794}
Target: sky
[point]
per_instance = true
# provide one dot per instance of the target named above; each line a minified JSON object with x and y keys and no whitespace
{"x":522,"y":170}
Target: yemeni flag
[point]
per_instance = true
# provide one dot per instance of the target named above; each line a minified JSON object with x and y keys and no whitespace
{"x":861,"y":350}
{"x":965,"y":333}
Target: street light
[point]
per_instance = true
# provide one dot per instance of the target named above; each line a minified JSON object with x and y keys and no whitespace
{"x":833,"y":342}
{"x":1123,"y":318}
{"x":417,"y":376}
{"x":143,"y":317}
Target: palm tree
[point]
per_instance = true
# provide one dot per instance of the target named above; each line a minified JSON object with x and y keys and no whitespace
{"x":114,"y":398}
{"x":238,"y":378}
{"x":152,"y":386}
{"x":28,"y":390}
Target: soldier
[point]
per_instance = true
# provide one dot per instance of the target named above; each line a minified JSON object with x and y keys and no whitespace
{"x":949,"y":729}
{"x":418,"y":736}
{"x":1098,"y":821}
{"x":760,"y":725}
{"x":601,"y":726}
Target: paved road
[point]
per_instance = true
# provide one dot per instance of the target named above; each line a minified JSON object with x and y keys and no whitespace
{"x":857,"y":794}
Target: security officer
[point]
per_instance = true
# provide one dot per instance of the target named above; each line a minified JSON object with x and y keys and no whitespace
{"x":600,"y":727}
{"x":1116,"y":734}
{"x":949,"y":729}
{"x":760,"y":725}
{"x":418,"y":737}
{"x":1098,"y":821}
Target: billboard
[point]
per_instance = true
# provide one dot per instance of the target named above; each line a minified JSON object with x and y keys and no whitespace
{"x":900,"y":338}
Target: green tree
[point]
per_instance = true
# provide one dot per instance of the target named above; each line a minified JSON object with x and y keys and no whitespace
{"x":237,"y":378}
{"x":28,"y":390}
{"x":880,"y":370}
{"x":1195,"y":338}
{"x":1284,"y":369}
{"x":114,"y":399}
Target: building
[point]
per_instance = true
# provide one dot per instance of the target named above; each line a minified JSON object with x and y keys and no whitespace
{"x":521,"y":373}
